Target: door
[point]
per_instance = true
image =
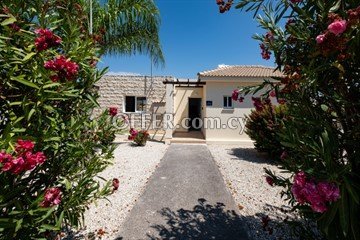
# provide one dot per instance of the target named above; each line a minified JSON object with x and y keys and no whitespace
{"x":194,"y":114}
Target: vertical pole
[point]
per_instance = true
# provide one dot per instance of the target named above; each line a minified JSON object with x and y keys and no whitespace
{"x":91,"y":18}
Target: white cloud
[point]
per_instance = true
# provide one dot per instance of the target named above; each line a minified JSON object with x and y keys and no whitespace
{"x":222,"y":65}
{"x":123,"y":74}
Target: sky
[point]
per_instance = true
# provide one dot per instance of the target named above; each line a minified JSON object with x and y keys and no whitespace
{"x":195,"y":37}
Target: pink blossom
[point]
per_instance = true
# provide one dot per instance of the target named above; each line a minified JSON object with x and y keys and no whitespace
{"x":32,"y":160}
{"x":269,"y":180}
{"x":18,"y":165}
{"x":115,"y":183}
{"x":64,"y":68}
{"x":113,"y":111}
{"x":298,"y":193}
{"x":272,"y":93}
{"x":235,"y":95}
{"x":52,"y":197}
{"x":329,"y":191}
{"x":320,"y":38}
{"x":337,"y":27}
{"x":300,"y":179}
{"x":24,"y":145}
{"x":284,"y":155}
{"x":319,"y":207}
{"x":295,"y":1}
{"x":46,"y":39}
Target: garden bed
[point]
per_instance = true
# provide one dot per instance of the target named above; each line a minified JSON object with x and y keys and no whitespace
{"x":132,"y":166}
{"x":260,"y":205}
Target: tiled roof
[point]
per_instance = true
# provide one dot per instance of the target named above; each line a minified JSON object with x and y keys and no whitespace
{"x":241,"y":71}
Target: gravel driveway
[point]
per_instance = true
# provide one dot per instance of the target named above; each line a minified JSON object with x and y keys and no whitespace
{"x":132,"y":166}
{"x":243,"y":172}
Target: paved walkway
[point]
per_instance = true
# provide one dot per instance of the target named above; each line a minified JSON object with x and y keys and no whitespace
{"x":186,"y":198}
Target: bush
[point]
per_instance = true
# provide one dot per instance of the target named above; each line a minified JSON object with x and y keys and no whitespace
{"x":51,"y":150}
{"x":318,"y":53}
{"x":139,"y":137}
{"x":263,"y":125}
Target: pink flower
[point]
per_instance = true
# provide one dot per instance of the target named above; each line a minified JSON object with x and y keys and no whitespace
{"x":24,"y":145}
{"x":235,"y":95}
{"x":272,"y":93}
{"x":32,"y":160}
{"x":337,"y":27}
{"x":18,"y":165}
{"x":269,"y":180}
{"x":241,"y":99}
{"x":6,"y":161}
{"x":113,"y":111}
{"x":64,"y":68}
{"x":281,"y":101}
{"x":115,"y":183}
{"x":46,"y":39}
{"x":295,"y":1}
{"x":320,"y":38}
{"x":298,"y":193}
{"x":284,"y":155}
{"x":319,"y":207}
{"x":329,"y":191}
{"x":52,"y":197}
{"x":300,"y":179}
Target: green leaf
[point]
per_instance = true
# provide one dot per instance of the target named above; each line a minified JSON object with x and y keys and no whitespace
{"x":8,"y":21}
{"x":32,"y":111}
{"x":28,"y":56}
{"x":335,"y":7}
{"x":21,"y":79}
{"x":344,"y":212}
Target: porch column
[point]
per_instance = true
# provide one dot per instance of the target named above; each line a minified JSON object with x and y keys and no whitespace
{"x":169,"y":112}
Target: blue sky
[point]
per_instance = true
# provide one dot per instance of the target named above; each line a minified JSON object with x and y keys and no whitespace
{"x":195,"y":37}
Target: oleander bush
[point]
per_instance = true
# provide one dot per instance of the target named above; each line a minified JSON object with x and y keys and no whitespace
{"x":263,"y":124}
{"x":51,"y":148}
{"x":316,"y":45}
{"x":139,"y":137}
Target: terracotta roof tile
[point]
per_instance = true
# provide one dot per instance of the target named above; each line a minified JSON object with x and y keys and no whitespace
{"x":241,"y":71}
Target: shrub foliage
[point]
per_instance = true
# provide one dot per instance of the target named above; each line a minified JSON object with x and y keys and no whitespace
{"x":51,"y":150}
{"x":318,"y":52}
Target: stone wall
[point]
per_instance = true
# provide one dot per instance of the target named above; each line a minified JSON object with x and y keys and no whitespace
{"x":113,"y":89}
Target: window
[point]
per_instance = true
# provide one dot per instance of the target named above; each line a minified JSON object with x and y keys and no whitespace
{"x":227,"y":102}
{"x":135,"y":104}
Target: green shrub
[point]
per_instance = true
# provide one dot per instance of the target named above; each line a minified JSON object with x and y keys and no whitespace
{"x":139,"y":137}
{"x":318,"y":52}
{"x":263,"y":125}
{"x":51,"y":149}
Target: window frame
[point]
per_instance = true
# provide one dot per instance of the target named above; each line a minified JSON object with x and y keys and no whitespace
{"x":227,"y":102}
{"x":135,"y":104}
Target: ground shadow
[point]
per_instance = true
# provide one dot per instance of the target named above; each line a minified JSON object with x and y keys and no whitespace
{"x":204,"y":221}
{"x":250,"y":155}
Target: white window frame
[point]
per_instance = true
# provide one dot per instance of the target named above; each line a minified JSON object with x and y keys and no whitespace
{"x":136,"y":101}
{"x":226,"y":106}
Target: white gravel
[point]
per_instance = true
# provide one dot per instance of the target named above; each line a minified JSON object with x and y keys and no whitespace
{"x":243,"y":172}
{"x":133,"y":166}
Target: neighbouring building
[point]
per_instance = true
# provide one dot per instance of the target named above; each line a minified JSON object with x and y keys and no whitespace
{"x":166,"y":106}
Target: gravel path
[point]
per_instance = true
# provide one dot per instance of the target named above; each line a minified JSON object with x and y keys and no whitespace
{"x":132,"y":166}
{"x":243,"y":172}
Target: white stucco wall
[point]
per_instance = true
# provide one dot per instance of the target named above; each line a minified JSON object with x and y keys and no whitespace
{"x":230,"y":127}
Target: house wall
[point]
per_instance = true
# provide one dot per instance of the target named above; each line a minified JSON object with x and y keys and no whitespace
{"x":113,"y":89}
{"x":222,"y":117}
{"x":181,"y":104}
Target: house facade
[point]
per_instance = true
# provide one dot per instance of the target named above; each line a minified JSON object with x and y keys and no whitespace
{"x":166,"y":106}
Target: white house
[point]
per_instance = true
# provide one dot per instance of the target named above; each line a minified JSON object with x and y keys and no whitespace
{"x":205,"y":104}
{"x":167,"y":106}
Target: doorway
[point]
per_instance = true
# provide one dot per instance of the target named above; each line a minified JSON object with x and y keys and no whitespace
{"x":195,"y":114}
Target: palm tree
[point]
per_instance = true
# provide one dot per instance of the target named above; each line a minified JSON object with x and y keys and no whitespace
{"x":129,"y":27}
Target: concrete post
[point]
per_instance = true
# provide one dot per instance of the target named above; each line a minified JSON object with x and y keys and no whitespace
{"x":169,"y":112}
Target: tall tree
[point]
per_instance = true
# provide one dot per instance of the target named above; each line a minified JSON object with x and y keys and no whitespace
{"x":128,"y":27}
